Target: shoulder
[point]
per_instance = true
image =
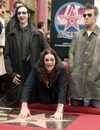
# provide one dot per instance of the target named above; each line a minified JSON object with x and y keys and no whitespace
{"x":13,"y":19}
{"x":11,"y":24}
{"x":33,"y":29}
{"x":77,"y":37}
{"x":36,"y":32}
{"x":37,"y":67}
{"x":61,"y":67}
{"x":78,"y":34}
{"x":97,"y":30}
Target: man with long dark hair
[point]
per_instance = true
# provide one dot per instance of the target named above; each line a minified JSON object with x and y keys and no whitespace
{"x":22,"y":50}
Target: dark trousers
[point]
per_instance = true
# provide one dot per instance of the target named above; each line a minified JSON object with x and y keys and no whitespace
{"x":9,"y":93}
{"x":85,"y":102}
{"x":4,"y":80}
{"x":76,"y":102}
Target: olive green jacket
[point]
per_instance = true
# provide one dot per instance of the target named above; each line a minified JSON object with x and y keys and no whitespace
{"x":85,"y":65}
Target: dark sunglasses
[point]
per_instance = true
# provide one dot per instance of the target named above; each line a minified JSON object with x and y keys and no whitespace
{"x":23,"y":12}
{"x":89,"y":15}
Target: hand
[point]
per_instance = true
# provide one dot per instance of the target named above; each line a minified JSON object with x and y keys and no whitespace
{"x":58,"y":115}
{"x":24,"y":113}
{"x":17,"y":79}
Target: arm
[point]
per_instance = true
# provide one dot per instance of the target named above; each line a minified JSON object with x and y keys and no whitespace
{"x":72,"y":51}
{"x":24,"y":112}
{"x":7,"y":59}
{"x":16,"y":78}
{"x":62,"y":86}
{"x":59,"y":112}
{"x":44,"y":42}
{"x":27,"y":89}
{"x":37,"y":45}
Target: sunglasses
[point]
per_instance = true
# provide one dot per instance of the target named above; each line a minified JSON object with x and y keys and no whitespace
{"x":23,"y":13}
{"x":89,"y":15}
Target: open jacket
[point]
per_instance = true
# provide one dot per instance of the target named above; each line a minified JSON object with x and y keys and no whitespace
{"x":32,"y":47}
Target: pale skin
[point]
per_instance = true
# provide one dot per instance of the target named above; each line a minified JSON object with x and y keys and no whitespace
{"x":90,"y":22}
{"x":23,"y":16}
{"x":25,"y":112}
{"x":49,"y":61}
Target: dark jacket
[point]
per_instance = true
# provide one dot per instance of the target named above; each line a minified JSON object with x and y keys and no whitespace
{"x":54,"y":93}
{"x":23,"y":48}
{"x":10,"y":25}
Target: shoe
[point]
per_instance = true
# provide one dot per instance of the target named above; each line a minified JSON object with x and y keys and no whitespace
{"x":76,"y":102}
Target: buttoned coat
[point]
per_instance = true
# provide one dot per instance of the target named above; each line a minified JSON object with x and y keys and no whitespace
{"x":85,"y":65}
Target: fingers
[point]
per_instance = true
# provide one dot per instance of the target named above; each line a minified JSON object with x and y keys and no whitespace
{"x":52,"y":116}
{"x":24,"y":115}
{"x":17,"y":79}
{"x":57,"y":116}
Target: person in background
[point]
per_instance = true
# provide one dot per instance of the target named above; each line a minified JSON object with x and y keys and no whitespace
{"x":3,"y":74}
{"x":85,"y":62}
{"x":47,"y":84}
{"x":22,"y":50}
{"x":5,"y":11}
{"x":2,"y":45}
{"x":41,"y":28}
{"x":48,"y":37}
{"x":16,"y":5}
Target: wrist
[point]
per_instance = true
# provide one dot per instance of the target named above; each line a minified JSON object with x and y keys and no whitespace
{"x":60,"y":107}
{"x":59,"y":111}
{"x":24,"y":104}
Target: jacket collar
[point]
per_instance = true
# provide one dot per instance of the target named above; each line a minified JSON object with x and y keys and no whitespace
{"x":96,"y":31}
{"x":31,"y":28}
